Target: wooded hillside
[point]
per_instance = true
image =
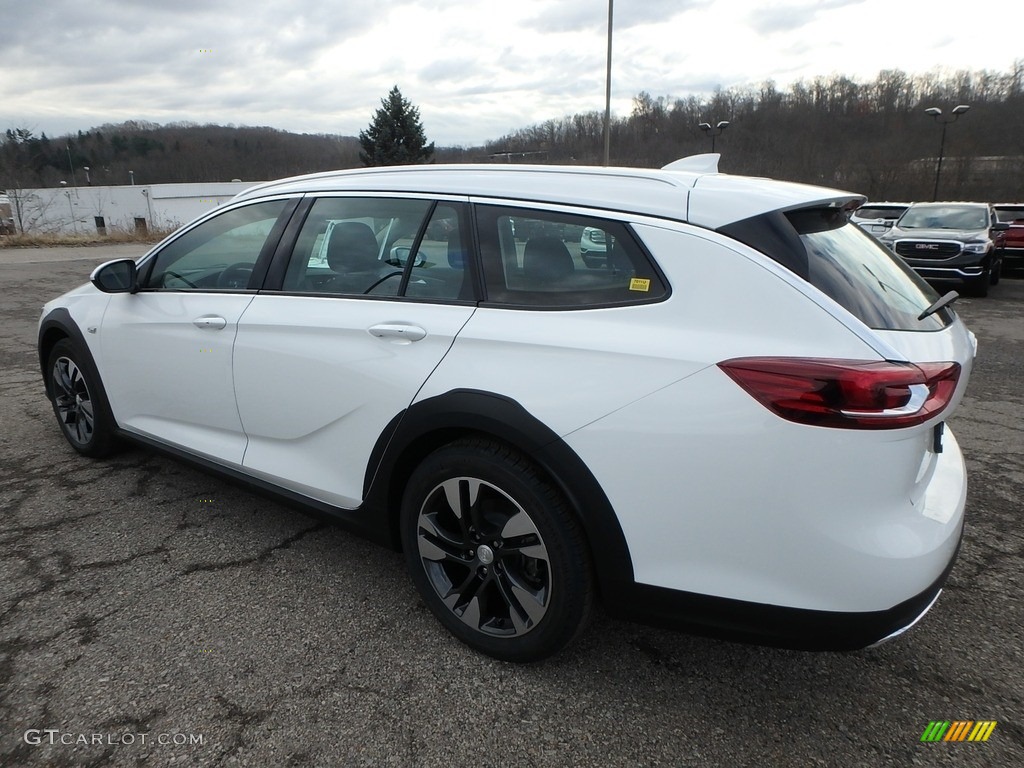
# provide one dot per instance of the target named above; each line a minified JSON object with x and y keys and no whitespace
{"x":874,"y":138}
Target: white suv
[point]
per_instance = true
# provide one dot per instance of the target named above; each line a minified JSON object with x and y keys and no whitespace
{"x":734,"y":424}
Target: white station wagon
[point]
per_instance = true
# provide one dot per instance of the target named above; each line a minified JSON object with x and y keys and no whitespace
{"x":731,"y":423}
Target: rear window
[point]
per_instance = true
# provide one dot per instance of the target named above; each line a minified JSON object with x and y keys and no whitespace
{"x":863,"y":276}
{"x":1010,"y":214}
{"x":847,"y":265}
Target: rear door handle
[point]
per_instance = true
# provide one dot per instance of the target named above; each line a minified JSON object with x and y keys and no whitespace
{"x":212,"y":322}
{"x":401,"y":333}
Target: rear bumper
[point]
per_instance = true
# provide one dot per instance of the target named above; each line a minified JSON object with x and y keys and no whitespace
{"x":762,"y":534}
{"x":780,"y":626}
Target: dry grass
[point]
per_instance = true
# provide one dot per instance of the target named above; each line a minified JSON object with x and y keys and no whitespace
{"x":36,"y":240}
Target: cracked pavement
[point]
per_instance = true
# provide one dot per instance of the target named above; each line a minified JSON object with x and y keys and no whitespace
{"x":139,"y":597}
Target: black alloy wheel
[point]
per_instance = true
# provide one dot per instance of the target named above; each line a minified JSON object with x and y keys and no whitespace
{"x":83,"y":418}
{"x":495,"y":551}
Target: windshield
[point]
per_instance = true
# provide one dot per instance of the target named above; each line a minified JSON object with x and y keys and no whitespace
{"x":879,"y":212}
{"x":944,"y":217}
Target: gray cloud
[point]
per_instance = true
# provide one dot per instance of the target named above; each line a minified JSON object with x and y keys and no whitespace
{"x":782,"y":17}
{"x":587,"y":15}
{"x":476,"y":69}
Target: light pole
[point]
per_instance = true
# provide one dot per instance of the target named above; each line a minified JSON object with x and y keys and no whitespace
{"x":720,"y":126}
{"x":608,"y":93}
{"x":88,"y":181}
{"x":937,"y":114}
{"x":131,"y":177}
{"x":71,"y":165}
{"x":74,"y":224}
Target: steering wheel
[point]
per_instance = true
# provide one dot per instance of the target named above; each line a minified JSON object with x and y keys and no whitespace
{"x":235,"y":276}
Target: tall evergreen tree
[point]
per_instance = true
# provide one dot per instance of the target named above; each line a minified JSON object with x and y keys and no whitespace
{"x":395,"y":136}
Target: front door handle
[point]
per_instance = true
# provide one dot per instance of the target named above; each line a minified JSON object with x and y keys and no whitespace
{"x":212,"y":322}
{"x":401,"y":333}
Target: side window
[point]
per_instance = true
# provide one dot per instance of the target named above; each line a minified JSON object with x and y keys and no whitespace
{"x":548,"y":259}
{"x":440,"y":267}
{"x":355,"y":245}
{"x":375,"y":246}
{"x":217,"y":254}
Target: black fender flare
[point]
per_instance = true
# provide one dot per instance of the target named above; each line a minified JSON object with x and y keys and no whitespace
{"x":435,"y":421}
{"x":59,"y":324}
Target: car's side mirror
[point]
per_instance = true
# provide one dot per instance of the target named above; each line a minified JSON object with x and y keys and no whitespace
{"x":119,"y":276}
{"x":1001,"y":226}
{"x":400,"y":256}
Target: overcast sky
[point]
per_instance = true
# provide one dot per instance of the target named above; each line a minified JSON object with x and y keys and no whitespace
{"x":477,"y":69}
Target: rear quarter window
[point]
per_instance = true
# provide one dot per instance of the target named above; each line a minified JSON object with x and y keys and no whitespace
{"x":547,"y":259}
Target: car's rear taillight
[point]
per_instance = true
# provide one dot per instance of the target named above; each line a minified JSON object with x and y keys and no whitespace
{"x":851,"y":394}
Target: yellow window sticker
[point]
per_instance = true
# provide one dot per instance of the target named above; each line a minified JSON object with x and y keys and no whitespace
{"x":640,"y":284}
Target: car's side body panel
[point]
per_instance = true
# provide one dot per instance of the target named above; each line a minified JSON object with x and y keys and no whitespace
{"x":733,"y":463}
{"x":172,"y":354}
{"x":317,"y":384}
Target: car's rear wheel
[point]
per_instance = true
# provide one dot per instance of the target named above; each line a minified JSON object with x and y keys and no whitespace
{"x":83,"y":418}
{"x":495,"y":551}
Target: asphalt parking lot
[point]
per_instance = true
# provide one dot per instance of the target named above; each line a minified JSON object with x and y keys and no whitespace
{"x":154,"y":615}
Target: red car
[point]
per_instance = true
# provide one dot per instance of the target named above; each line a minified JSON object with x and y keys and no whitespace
{"x":1013,"y":248}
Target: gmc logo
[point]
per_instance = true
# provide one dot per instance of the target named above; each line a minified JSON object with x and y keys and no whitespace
{"x":926,"y":247}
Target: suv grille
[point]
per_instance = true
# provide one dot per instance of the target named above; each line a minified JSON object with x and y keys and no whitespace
{"x":927,"y":249}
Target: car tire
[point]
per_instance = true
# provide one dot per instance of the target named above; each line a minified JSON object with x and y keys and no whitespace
{"x":495,"y":551}
{"x":77,"y":402}
{"x":996,"y":272}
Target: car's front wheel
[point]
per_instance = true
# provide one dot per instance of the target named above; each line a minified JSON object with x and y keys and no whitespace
{"x":996,"y":270}
{"x":495,"y":551}
{"x":83,"y":418}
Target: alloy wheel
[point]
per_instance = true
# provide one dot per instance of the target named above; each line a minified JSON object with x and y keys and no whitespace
{"x":72,"y":401}
{"x":484,"y":556}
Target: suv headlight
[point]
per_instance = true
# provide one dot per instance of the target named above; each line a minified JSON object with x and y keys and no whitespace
{"x":977,"y":247}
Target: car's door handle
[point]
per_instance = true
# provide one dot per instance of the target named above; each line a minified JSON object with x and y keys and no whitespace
{"x":210,"y":321}
{"x":399,"y":332}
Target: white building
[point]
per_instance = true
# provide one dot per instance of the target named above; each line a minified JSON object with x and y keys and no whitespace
{"x":81,"y":210}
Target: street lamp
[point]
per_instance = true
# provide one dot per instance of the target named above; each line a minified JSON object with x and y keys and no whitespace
{"x":720,"y":126}
{"x":88,"y":181}
{"x":608,"y":92}
{"x":937,"y":114}
{"x":74,"y":223}
{"x":131,"y":177}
